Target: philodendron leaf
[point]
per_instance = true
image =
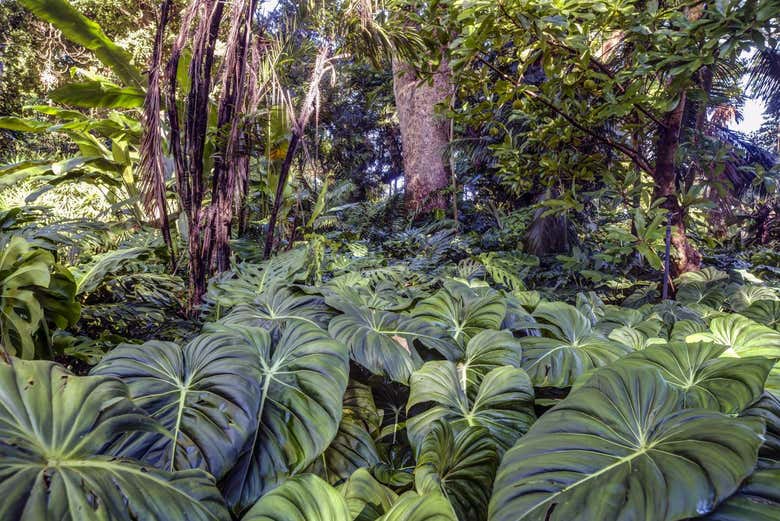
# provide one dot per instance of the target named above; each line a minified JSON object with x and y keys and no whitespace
{"x":745,"y":296}
{"x":682,"y":329}
{"x":54,"y":428}
{"x":744,"y":337}
{"x":757,"y":500}
{"x":352,"y":448}
{"x":278,"y":304}
{"x":461,"y":467}
{"x":366,"y":497}
{"x":359,"y":402}
{"x":572,"y":347}
{"x":303,"y":375}
{"x":301,"y":498}
{"x":414,"y":507}
{"x":501,"y":401}
{"x":205,"y":394}
{"x":765,"y":312}
{"x":380,"y":341}
{"x":455,"y":317}
{"x":621,"y":446}
{"x":489,"y":350}
{"x":768,"y":409}
{"x":704,"y":379}
{"x":633,"y":338}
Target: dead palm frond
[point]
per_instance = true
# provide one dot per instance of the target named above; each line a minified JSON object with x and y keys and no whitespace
{"x":152,"y":164}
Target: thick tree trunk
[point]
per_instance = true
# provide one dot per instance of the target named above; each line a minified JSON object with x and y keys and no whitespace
{"x":684,"y":256}
{"x":424,"y":135}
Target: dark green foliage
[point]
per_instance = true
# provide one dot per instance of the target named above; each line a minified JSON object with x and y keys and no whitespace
{"x":505,"y":358}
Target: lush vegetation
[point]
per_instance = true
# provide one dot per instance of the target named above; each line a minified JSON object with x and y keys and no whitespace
{"x":411,"y":261}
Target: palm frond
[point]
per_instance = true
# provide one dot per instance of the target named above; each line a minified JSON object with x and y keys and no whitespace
{"x":764,"y":78}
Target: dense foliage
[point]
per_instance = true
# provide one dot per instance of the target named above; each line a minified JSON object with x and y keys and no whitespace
{"x":409,"y":261}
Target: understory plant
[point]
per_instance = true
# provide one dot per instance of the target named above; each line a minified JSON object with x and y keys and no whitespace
{"x":387,"y":395}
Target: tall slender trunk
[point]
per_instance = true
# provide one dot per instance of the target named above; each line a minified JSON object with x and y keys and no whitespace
{"x":685,"y":256}
{"x":228,"y":162}
{"x":188,"y":143}
{"x":152,"y":166}
{"x":299,"y":123}
{"x":284,"y":173}
{"x":424,"y":135}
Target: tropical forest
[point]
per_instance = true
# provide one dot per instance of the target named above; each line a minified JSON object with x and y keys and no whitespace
{"x":389,"y":260}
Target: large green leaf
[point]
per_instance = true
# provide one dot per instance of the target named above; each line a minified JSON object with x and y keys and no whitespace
{"x":54,"y":429}
{"x":380,"y":341}
{"x":90,"y":276}
{"x":278,"y":304}
{"x":708,"y":275}
{"x":517,"y":319}
{"x":23,"y":125}
{"x":461,"y":467}
{"x":757,"y":500}
{"x":48,"y":170}
{"x":82,"y":31}
{"x":302,"y":498}
{"x":245,"y":282}
{"x":633,"y":338}
{"x":34,"y":293}
{"x":472,"y":391}
{"x":456,"y":316}
{"x":682,"y":329}
{"x":708,"y":294}
{"x":501,"y":401}
{"x":359,"y":402}
{"x":766,"y":312}
{"x":489,"y":350}
{"x":745,"y":296}
{"x":768,"y":409}
{"x":205,"y":394}
{"x":59,"y":113}
{"x":352,"y":448}
{"x":303,"y":376}
{"x":744,"y":337}
{"x":59,"y":300}
{"x":614,"y":317}
{"x":414,"y":507}
{"x":99,"y":94}
{"x":572,"y":348}
{"x":670,"y":312}
{"x":22,"y":270}
{"x":381,"y":295}
{"x":704,"y":379}
{"x":366,"y":497}
{"x":620,"y":447}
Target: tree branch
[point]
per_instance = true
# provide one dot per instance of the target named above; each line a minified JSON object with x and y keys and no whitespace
{"x":632,"y":154}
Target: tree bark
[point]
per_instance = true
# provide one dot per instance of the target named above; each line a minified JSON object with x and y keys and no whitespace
{"x":685,"y":257}
{"x":424,"y":135}
{"x":229,"y":160}
{"x":284,"y":173}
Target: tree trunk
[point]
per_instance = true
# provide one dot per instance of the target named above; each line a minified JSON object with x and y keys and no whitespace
{"x":284,"y":173}
{"x":424,"y":135}
{"x":685,"y":257}
{"x":762,"y":224}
